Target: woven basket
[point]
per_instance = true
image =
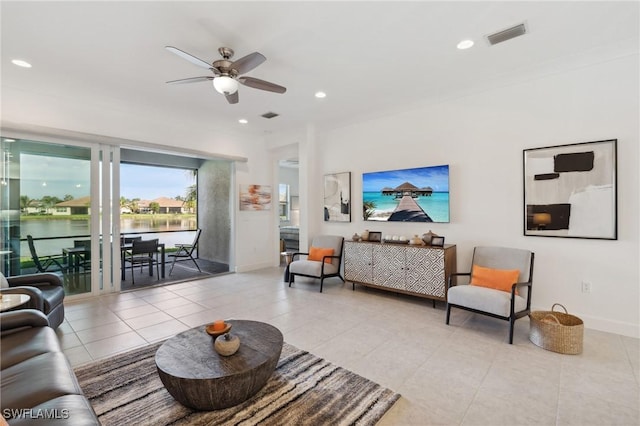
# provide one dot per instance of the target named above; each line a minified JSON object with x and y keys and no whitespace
{"x":556,"y":331}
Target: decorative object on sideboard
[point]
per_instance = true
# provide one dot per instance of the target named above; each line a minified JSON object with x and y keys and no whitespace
{"x":356,"y":237}
{"x":416,"y":241}
{"x":426,"y":237}
{"x":437,"y":241}
{"x":396,"y":239}
{"x":375,"y":237}
{"x":571,"y":190}
{"x":365,"y":235}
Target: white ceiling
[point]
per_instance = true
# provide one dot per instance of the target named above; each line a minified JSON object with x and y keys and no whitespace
{"x":101,"y":67}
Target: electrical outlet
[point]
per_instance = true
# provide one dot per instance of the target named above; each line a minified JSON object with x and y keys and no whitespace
{"x":586,"y":287}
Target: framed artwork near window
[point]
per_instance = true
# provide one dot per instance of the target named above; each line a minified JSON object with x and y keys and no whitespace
{"x":255,"y":197}
{"x":571,"y":190}
{"x":337,"y":197}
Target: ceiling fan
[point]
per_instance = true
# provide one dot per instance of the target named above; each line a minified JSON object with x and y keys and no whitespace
{"x":227,"y":74}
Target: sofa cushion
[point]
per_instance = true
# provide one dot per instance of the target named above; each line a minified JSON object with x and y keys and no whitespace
{"x":485,"y":299}
{"x":37,"y":380}
{"x":18,"y":347}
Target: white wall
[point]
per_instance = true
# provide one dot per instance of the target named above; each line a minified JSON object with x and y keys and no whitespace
{"x":482,"y":137}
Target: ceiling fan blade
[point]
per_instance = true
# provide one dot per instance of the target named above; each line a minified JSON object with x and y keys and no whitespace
{"x":190,"y":80}
{"x":184,"y":55}
{"x":247,"y":63}
{"x":232,"y":98}
{"x":261,"y":84}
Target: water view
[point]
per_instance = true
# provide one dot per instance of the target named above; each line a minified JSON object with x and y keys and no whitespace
{"x":169,"y":229}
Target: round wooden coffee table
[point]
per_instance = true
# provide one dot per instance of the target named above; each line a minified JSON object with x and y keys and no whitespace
{"x":198,"y":377}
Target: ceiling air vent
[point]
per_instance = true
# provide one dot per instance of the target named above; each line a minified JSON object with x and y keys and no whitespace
{"x":270,"y":115}
{"x":507,"y":34}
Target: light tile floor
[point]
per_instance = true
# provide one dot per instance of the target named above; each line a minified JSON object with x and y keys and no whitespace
{"x":462,"y":374}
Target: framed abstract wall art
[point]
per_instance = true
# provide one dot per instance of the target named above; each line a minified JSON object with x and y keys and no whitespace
{"x":571,"y":190}
{"x":407,"y":195}
{"x":255,"y":197}
{"x":337,"y":197}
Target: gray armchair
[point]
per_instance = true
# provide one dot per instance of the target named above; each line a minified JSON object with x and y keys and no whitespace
{"x":46,"y":291}
{"x":327,"y":266}
{"x":510,"y":303}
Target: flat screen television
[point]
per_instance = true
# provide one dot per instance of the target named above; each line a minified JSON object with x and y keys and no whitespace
{"x":408,"y":195}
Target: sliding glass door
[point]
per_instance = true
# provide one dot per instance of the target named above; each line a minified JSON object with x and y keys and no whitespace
{"x":53,"y":216}
{"x":64,"y":207}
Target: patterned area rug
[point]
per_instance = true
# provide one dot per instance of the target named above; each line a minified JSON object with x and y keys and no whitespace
{"x":304,"y":390}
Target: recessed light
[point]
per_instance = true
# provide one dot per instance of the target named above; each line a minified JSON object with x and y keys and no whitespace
{"x":465,"y":44}
{"x":320,"y":95}
{"x":21,"y":63}
{"x":243,"y":121}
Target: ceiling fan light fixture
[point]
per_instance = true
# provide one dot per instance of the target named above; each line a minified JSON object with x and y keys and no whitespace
{"x":225,"y":85}
{"x":21,"y":63}
{"x":465,"y":44}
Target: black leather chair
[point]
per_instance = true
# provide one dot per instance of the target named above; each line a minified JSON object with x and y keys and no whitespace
{"x":46,"y":291}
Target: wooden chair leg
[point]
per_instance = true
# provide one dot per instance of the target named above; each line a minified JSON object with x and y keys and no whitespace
{"x":448,"y":313}
{"x":321,"y":282}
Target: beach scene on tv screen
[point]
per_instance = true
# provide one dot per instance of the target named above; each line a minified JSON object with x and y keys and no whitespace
{"x":408,"y":195}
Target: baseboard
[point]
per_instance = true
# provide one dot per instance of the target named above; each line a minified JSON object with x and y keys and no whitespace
{"x":610,"y":326}
{"x":253,"y":267}
{"x":604,"y":324}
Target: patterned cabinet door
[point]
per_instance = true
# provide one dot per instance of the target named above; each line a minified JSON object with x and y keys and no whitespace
{"x":357,"y":262}
{"x":425,"y":271}
{"x":389,"y":266}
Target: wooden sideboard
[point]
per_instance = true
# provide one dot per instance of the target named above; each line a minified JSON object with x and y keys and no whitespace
{"x":416,"y":270}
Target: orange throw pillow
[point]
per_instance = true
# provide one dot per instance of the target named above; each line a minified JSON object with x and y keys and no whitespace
{"x":499,"y":279}
{"x":317,"y":253}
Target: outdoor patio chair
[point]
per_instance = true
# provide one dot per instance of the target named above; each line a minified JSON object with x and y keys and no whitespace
{"x":185,"y":252}
{"x":53,"y":263}
{"x":143,"y":252}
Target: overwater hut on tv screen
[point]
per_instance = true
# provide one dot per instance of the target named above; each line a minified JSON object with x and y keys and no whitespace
{"x":419,"y":194}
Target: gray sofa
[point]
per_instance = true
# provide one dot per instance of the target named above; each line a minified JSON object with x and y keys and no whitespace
{"x":38,"y":383}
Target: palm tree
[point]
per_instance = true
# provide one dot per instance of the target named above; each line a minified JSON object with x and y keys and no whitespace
{"x":24,"y":202}
{"x":191,"y":197}
{"x":368,"y":207}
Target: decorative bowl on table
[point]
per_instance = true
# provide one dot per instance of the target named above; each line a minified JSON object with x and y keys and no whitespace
{"x":215,"y":333}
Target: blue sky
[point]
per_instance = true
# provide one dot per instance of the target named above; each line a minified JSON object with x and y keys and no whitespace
{"x":40,"y":176}
{"x":437,"y":177}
